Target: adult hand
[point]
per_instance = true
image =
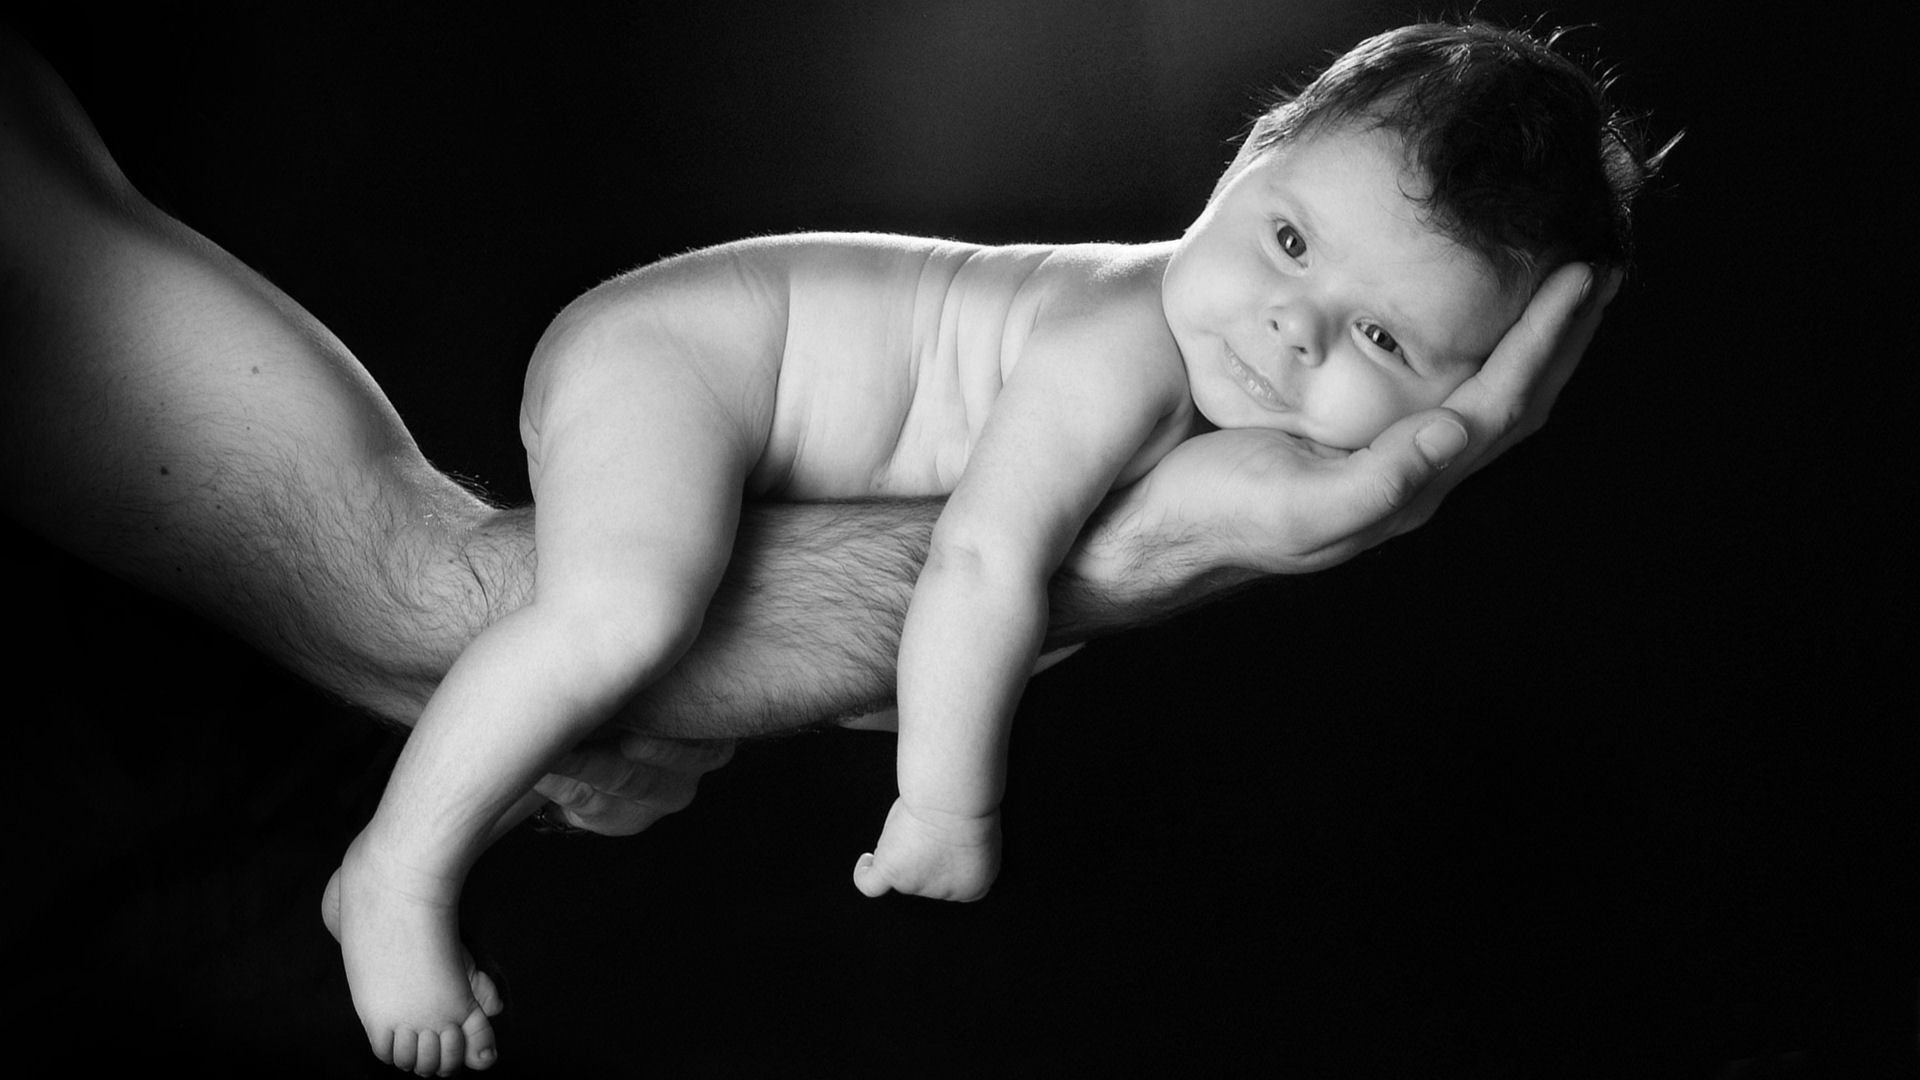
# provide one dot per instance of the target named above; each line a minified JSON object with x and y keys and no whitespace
{"x":617,"y":786}
{"x":1262,"y":502}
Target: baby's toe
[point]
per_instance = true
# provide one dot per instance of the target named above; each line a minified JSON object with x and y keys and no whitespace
{"x":426,"y":1057}
{"x":477,"y":1032}
{"x":486,"y":992}
{"x":452,"y":1050}
{"x":403,"y":1049}
{"x":868,"y":877}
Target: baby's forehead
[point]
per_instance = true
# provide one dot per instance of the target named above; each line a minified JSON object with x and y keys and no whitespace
{"x":1357,"y":193}
{"x":1398,"y":158}
{"x":1342,"y":178}
{"x":1364,"y":148}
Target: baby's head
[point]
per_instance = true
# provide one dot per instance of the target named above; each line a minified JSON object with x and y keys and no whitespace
{"x":1380,"y":231}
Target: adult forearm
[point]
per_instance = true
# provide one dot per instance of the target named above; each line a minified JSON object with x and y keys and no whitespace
{"x":805,"y":626}
{"x":1126,"y":571}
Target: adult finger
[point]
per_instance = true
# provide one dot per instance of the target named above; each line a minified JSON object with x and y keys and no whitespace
{"x":1398,"y":481}
{"x":1395,"y":485}
{"x":694,"y":756}
{"x":1511,"y":395}
{"x":620,"y":788}
{"x":583,"y":806}
{"x":1507,"y":400}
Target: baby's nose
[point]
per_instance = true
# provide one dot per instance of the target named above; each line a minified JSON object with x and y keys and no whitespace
{"x":1296,"y":330}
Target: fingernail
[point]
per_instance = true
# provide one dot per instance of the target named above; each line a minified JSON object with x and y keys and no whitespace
{"x":1614,"y":278}
{"x":1440,"y":441}
{"x":1586,"y":290}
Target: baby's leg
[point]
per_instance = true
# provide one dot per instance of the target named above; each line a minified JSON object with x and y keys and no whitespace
{"x":485,"y":996}
{"x":638,"y":492}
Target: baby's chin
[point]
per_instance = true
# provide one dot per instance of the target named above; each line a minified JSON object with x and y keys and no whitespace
{"x":1294,"y":428}
{"x":1321,"y":442}
{"x":1311,"y":445}
{"x":1317,"y":448}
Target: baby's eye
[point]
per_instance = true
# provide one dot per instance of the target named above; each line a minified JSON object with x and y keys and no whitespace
{"x":1291,"y":241}
{"x":1382,"y":340}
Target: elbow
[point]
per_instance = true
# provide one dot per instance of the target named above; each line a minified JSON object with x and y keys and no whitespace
{"x":996,"y":575}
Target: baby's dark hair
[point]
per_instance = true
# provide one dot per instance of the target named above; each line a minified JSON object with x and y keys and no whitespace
{"x":1527,"y":163}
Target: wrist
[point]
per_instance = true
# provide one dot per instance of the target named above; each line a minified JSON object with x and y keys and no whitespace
{"x":1127,"y":571}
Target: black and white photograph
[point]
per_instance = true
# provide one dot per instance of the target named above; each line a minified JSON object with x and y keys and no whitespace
{"x":1009,"y":538}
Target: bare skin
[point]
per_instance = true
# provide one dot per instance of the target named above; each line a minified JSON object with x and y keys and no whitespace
{"x":1028,"y":380}
{"x":167,"y":409}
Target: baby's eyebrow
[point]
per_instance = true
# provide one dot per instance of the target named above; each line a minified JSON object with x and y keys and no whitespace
{"x":1298,"y":211}
{"x":1421,"y":350}
{"x":1440,"y":361}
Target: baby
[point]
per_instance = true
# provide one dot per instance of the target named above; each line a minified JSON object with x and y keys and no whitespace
{"x":1371,"y":242}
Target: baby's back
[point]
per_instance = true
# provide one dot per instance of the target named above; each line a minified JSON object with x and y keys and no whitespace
{"x":864,"y":364}
{"x":896,"y":348}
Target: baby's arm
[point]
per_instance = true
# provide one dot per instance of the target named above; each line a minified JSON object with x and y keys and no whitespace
{"x":1081,"y":404}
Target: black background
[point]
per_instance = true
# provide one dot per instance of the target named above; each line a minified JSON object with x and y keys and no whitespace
{"x":1606,"y":771}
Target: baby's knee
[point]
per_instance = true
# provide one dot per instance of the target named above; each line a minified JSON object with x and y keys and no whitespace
{"x":634,"y":639}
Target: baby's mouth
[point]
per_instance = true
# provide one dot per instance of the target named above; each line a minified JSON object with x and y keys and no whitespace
{"x":1254,"y":383}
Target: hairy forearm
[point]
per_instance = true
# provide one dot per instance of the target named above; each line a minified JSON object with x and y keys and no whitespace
{"x":1125,"y":572}
{"x":805,"y":627}
{"x":802,"y":631}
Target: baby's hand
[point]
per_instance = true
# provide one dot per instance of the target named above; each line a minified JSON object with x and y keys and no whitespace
{"x":933,"y":854}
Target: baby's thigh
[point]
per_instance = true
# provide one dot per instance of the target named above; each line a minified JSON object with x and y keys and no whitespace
{"x":637,"y":478}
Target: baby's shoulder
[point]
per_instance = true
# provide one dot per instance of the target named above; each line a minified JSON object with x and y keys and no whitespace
{"x":1105,"y":296}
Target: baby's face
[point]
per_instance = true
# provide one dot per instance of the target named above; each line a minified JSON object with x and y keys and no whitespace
{"x":1309,"y":297}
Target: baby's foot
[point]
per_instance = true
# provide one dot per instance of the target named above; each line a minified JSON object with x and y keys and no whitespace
{"x":934,"y":854}
{"x":422,"y":1001}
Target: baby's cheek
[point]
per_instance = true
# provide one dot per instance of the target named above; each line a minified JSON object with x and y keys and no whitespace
{"x":1357,"y":410}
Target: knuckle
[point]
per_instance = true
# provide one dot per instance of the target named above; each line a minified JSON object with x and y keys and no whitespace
{"x":672,"y":798}
{"x":624,"y":821}
{"x":1394,"y":489}
{"x":566,"y":792}
{"x":1412,"y":519}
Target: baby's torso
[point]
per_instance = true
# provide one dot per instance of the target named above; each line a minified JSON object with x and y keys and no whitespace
{"x":893,"y":350}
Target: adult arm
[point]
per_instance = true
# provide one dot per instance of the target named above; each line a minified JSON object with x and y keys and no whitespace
{"x":171,"y":417}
